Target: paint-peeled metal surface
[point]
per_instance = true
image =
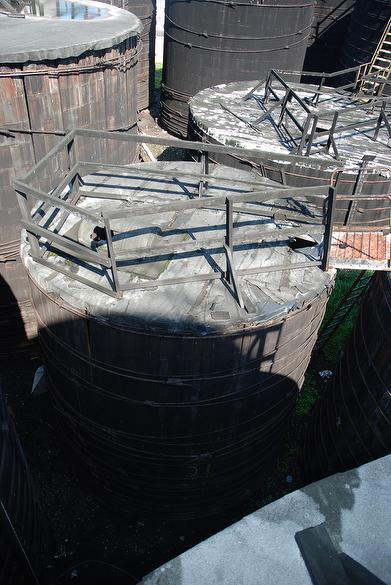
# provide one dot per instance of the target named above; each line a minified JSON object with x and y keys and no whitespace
{"x":367,"y":24}
{"x":25,"y":547}
{"x":173,"y":398}
{"x":67,"y":75}
{"x":145,"y":10}
{"x":206,"y":43}
{"x":328,"y":31}
{"x":211,"y":122}
{"x":351,"y":424}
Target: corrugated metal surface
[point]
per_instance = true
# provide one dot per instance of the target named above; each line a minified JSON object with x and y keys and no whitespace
{"x":351,"y":423}
{"x":24,"y":541}
{"x":207,"y":43}
{"x":172,"y":424}
{"x":366,"y":27}
{"x":39,"y":101}
{"x":145,"y":10}
{"x":329,"y":26}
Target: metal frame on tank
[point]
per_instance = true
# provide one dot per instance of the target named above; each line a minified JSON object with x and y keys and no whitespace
{"x":44,"y":238}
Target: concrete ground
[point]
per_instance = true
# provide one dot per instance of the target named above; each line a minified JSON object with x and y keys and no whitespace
{"x":261,"y":549}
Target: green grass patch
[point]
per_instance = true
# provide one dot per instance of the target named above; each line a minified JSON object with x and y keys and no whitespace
{"x":328,"y":357}
{"x":158,"y":75}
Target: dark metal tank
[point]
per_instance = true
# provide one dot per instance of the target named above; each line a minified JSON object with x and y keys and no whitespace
{"x":351,"y":424}
{"x":145,"y":10}
{"x":206,"y":43}
{"x":219,"y":115}
{"x":328,"y":31}
{"x":173,"y":397}
{"x":367,"y":24}
{"x":25,"y":547}
{"x":56,"y":73}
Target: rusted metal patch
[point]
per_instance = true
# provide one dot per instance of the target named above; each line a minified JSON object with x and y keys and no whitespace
{"x":361,"y":250}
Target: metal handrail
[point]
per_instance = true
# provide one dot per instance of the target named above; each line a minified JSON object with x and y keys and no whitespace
{"x":44,"y":223}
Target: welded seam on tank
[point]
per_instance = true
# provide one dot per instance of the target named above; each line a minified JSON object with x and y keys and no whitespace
{"x":239,"y":50}
{"x":238,"y":38}
{"x":142,"y":376}
{"x":221,"y":399}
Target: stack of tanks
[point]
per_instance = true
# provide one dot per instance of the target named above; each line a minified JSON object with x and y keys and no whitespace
{"x":57,"y":72}
{"x":175,"y":389}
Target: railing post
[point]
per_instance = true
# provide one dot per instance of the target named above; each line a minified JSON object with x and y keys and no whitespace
{"x":111,"y":254}
{"x":328,"y":232}
{"x":311,"y":138}
{"x":230,"y":274}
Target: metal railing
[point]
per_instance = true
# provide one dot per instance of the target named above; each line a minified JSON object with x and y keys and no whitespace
{"x":307,"y":120}
{"x":51,"y":208}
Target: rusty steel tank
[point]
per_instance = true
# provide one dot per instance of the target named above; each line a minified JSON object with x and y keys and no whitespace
{"x":351,"y":424}
{"x":359,"y":166}
{"x":56,"y":72}
{"x":145,"y":10}
{"x":173,"y":396}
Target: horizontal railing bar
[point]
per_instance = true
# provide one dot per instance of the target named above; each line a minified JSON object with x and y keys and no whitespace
{"x":216,"y":275}
{"x":75,"y":249}
{"x":157,"y":172}
{"x":253,"y":236}
{"x":39,"y":195}
{"x":208,"y":202}
{"x":260,"y":269}
{"x":171,"y":281}
{"x":360,"y":197}
{"x":74,"y":276}
{"x":327,"y":74}
{"x":188,"y":145}
{"x":331,"y":113}
{"x":102,"y":194}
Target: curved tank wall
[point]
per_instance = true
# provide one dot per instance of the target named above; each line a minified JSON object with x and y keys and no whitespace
{"x":367,"y":24}
{"x":206,"y":43}
{"x":55,"y":74}
{"x":174,"y":398}
{"x":231,"y":126}
{"x":145,"y":10}
{"x":25,"y":546}
{"x":351,"y":424}
{"x":328,"y":31}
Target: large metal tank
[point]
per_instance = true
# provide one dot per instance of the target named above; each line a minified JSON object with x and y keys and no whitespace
{"x":351,"y":424}
{"x":206,"y":43}
{"x":25,"y":546}
{"x":145,"y":10}
{"x":57,"y":72}
{"x":220,"y":115}
{"x":328,"y":31}
{"x":367,"y":24}
{"x":174,"y":397}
